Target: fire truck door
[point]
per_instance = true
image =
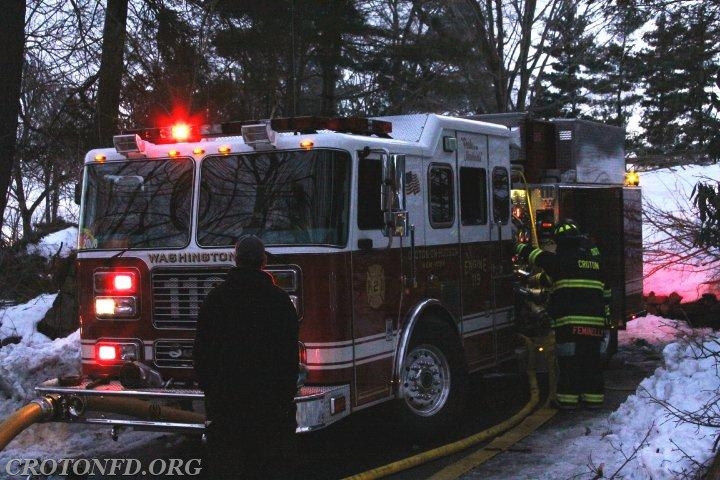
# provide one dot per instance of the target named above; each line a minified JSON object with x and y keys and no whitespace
{"x":378,"y":269}
{"x":476,"y":248}
{"x":502,"y":247}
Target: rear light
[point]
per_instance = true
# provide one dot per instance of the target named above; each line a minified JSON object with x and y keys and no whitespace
{"x":109,"y":353}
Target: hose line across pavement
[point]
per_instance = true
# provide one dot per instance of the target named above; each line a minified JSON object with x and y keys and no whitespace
{"x":528,"y":426}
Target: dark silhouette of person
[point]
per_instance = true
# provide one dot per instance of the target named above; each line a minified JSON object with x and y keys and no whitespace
{"x":246,"y":361}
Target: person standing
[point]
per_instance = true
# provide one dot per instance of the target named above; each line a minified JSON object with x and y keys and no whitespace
{"x":246,"y":361}
{"x":577,"y":306}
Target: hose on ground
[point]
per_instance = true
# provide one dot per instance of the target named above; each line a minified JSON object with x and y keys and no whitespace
{"x":468,"y":442}
{"x":33,"y":412}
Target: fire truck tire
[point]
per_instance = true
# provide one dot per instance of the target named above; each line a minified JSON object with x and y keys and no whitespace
{"x":433,"y":380}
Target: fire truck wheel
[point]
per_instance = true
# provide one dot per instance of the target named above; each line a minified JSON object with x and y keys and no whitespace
{"x":432,"y":380}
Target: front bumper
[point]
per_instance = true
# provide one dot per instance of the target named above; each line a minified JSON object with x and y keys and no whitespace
{"x":317,"y":406}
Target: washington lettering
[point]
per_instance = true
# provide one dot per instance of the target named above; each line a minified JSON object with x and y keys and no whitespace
{"x":215,"y":257}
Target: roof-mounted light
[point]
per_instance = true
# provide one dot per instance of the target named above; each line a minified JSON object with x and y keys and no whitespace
{"x":177,"y":133}
{"x":129,"y":145}
{"x":259,"y":136}
{"x":180,"y":132}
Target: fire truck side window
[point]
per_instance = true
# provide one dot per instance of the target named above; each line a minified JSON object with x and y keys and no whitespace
{"x":370,"y":216}
{"x":441,"y":192}
{"x":501,"y":195}
{"x":473,"y":196}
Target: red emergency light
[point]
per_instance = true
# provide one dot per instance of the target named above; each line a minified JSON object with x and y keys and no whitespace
{"x":178,"y":133}
{"x":107,"y":352}
{"x":124,"y":282}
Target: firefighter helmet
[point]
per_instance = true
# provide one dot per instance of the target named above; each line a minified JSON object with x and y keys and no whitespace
{"x":566,"y":230}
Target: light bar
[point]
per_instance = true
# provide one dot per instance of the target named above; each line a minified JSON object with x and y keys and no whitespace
{"x":355,"y":125}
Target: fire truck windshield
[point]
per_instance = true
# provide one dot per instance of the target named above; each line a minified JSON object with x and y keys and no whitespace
{"x":137,"y":204}
{"x":284,"y":197}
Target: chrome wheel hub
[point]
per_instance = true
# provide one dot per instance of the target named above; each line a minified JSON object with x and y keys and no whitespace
{"x":426,"y":380}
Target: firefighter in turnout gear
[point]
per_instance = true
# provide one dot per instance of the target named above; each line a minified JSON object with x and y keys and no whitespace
{"x":577,"y":306}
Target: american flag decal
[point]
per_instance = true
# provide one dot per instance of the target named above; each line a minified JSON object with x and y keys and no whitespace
{"x":412,"y":183}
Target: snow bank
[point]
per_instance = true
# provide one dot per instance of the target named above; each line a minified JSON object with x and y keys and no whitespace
{"x":35,"y":359}
{"x":654,"y":330}
{"x":668,"y":448}
{"x":577,"y":445}
{"x":63,"y":240}
{"x":669,"y":189}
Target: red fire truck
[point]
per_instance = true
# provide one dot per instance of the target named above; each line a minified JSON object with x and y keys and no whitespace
{"x":393,"y":236}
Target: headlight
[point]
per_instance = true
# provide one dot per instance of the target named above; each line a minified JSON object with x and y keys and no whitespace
{"x":116,"y":307}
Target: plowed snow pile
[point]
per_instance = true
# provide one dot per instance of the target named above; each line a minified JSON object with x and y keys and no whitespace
{"x":28,"y":363}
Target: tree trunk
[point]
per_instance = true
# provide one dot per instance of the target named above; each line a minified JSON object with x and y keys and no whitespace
{"x":111,"y":71}
{"x":12,"y":38}
{"x":330,"y":57}
{"x":25,"y":212}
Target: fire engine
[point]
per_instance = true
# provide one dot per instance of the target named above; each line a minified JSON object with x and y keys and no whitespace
{"x":393,"y":237}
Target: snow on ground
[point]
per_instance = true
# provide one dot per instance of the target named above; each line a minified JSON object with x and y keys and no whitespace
{"x":27,"y":364}
{"x":669,"y":190}
{"x":63,"y":241}
{"x":641,"y":429}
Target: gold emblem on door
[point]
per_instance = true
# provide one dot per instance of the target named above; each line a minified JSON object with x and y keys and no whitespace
{"x":375,"y":285}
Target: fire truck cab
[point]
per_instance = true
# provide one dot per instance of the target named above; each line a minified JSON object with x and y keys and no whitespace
{"x":393,"y":237}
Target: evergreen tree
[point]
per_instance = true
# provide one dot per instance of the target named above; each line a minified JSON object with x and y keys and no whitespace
{"x":613,"y":67}
{"x":564,"y":90}
{"x":681,"y":68}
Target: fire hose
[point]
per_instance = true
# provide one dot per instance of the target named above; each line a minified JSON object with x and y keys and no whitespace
{"x":465,"y":443}
{"x":38,"y":410}
{"x":47,"y":408}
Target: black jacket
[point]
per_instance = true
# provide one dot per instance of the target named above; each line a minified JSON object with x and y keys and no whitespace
{"x":578,"y":293}
{"x":246,"y":350}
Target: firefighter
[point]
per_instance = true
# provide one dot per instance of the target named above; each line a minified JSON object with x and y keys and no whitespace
{"x":246,"y":360}
{"x":577,"y":308}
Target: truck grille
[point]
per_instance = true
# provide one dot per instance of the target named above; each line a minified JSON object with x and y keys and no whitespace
{"x":174,"y":353}
{"x":178,"y":294}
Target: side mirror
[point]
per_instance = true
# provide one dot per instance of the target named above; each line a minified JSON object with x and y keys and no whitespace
{"x":393,"y":195}
{"x":78,"y":193}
